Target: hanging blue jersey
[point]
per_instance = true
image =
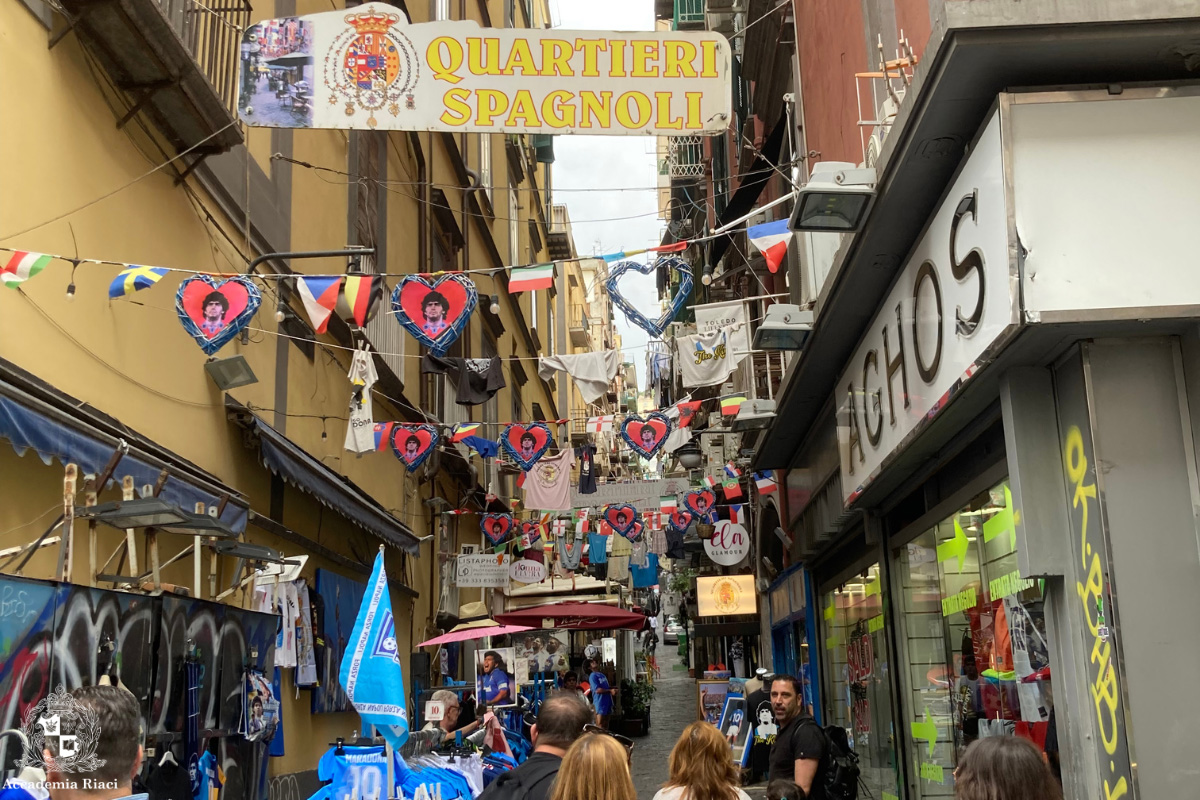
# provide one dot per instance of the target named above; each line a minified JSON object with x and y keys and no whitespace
{"x":359,"y":773}
{"x":210,"y":777}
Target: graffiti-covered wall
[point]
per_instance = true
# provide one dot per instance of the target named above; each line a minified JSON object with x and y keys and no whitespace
{"x":54,"y":634}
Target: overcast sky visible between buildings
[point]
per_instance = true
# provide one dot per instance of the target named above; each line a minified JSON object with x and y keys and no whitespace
{"x":626,"y":220}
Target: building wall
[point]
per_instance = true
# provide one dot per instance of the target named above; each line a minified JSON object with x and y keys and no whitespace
{"x":831,"y":44}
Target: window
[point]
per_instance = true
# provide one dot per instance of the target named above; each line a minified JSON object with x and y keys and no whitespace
{"x":858,"y":675}
{"x":514,"y":228}
{"x":485,"y":164}
{"x":974,"y":640}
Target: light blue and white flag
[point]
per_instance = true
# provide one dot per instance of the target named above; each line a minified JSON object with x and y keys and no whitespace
{"x":371,"y":673}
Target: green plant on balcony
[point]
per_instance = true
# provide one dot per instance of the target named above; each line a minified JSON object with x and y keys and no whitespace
{"x":636,"y":697}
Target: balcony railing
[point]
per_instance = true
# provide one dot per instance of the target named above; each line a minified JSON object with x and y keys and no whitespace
{"x":689,"y":13}
{"x":579,"y":325}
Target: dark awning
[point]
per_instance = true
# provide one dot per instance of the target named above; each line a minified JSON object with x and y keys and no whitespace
{"x":743,"y":200}
{"x":289,"y":461}
{"x":36,"y":416}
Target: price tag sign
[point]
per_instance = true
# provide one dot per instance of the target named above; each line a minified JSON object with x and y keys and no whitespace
{"x":435,"y":710}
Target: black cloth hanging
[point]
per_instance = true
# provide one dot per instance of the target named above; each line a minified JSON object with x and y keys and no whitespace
{"x":478,"y":378}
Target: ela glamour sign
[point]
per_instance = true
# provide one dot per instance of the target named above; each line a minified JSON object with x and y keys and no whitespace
{"x":367,"y":68}
{"x":951,"y":303}
{"x":729,"y":545}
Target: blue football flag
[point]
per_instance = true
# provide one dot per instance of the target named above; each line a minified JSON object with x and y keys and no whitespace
{"x":371,"y":673}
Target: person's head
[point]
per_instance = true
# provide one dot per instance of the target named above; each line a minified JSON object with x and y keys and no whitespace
{"x":435,"y":307}
{"x":492,"y":660}
{"x":622,"y":518}
{"x":647,"y":436}
{"x":701,"y":503}
{"x":765,"y":716}
{"x":528,"y":642}
{"x":215,"y":306}
{"x":700,"y":762}
{"x":537,"y":645}
{"x":596,"y":767}
{"x":450,"y":702}
{"x":571,"y":681}
{"x":783,"y":789}
{"x":1004,"y":768}
{"x":785,"y":697}
{"x":552,"y":645}
{"x":560,"y":721}
{"x":527,"y":442}
{"x":118,"y":744}
{"x":592,"y":665}
{"x":257,"y":707}
{"x":411,"y":445}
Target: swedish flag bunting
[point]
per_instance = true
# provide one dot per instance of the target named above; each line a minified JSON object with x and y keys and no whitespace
{"x":134,"y":279}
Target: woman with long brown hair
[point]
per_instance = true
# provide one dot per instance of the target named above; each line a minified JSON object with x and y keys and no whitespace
{"x":701,"y":767}
{"x":1004,"y":768}
{"x":595,"y":767}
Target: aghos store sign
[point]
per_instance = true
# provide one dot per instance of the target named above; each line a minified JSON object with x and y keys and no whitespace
{"x":950,"y":304}
{"x":368,"y":68}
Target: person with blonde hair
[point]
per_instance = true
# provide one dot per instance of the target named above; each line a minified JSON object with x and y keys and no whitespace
{"x":596,"y":767}
{"x":701,"y":767}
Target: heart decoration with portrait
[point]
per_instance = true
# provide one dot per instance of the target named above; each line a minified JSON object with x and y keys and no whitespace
{"x":653,"y":327}
{"x":680,"y":520}
{"x":496,"y":527}
{"x":622,"y":518}
{"x":412,"y":444}
{"x":213,"y":312}
{"x":525,"y":443}
{"x":646,"y":436}
{"x":531,"y":532}
{"x":636,"y":531}
{"x":700,"y":502}
{"x":436,"y":312}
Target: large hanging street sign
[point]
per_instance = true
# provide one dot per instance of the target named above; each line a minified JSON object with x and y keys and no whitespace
{"x":367,"y":68}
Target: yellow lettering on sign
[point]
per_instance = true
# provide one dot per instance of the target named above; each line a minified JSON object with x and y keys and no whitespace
{"x":524,"y":111}
{"x":556,"y":58}
{"x":662,"y":116}
{"x":445,"y":56}
{"x":483,"y":56}
{"x":678,"y":58}
{"x":708,"y":59}
{"x":520,"y":58}
{"x":591,"y":49}
{"x":491,"y":103}
{"x":458,"y":111}
{"x":617,"y":67}
{"x":875,"y":624}
{"x":957,"y":603}
{"x":644,"y":51}
{"x":557,"y":109}
{"x":693,"y":122}
{"x":596,"y":107}
{"x":627,"y":105}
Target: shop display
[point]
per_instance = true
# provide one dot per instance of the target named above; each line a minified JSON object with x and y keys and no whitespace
{"x":710,"y":699}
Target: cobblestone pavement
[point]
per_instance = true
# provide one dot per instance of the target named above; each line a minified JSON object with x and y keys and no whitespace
{"x":673,"y":708}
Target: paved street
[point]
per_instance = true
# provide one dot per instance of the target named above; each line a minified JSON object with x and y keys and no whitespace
{"x":674,"y":707}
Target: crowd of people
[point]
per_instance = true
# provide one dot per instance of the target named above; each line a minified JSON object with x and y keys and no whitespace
{"x":575,"y":759}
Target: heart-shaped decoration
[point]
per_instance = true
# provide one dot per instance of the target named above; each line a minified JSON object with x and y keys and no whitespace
{"x":531,"y":532}
{"x":526,"y":443}
{"x":496,"y":527}
{"x":646,"y":436}
{"x":700,"y":502}
{"x":412,"y":444}
{"x":653,"y":327}
{"x":214,"y":312}
{"x":621,"y":518}
{"x":635,"y":531}
{"x":680,"y":520}
{"x":434,"y":313}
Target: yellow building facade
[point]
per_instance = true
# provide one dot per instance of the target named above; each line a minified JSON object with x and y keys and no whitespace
{"x":269,"y":454}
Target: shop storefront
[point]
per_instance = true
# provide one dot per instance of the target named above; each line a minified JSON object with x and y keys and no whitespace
{"x":792,"y":631}
{"x":1017,"y":468}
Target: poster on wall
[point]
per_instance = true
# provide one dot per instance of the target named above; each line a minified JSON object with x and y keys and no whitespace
{"x":737,"y":727}
{"x":545,"y":651}
{"x":367,"y":68}
{"x":337,"y":601}
{"x":495,"y":682}
{"x":710,"y":700}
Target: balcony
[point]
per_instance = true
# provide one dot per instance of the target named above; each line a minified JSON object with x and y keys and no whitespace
{"x":579,"y":327}
{"x":176,"y":60}
{"x":559,"y":241}
{"x":689,"y":15}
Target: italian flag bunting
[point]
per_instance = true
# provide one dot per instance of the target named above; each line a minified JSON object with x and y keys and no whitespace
{"x":22,"y":266}
{"x":530,"y":279}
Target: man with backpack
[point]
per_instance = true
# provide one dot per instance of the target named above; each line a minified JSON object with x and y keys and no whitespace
{"x":799,"y":750}
{"x":560,"y":722}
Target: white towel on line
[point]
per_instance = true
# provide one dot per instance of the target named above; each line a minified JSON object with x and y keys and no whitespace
{"x":593,"y":372}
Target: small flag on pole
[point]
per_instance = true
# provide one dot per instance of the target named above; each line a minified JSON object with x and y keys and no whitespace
{"x":771,"y":239}
{"x":22,"y":266}
{"x":463,"y":430}
{"x":687,"y":411}
{"x":732,"y":471}
{"x":765,"y":481}
{"x":711,"y":481}
{"x":134,"y":279}
{"x":731,"y":488}
{"x":320,"y":297}
{"x":530,"y":279}
{"x":600,"y":424}
{"x":370,"y":670}
{"x":731,"y":404}
{"x":737,"y":514}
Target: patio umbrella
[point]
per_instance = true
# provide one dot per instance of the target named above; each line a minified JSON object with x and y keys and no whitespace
{"x":575,"y":617}
{"x":475,"y":630}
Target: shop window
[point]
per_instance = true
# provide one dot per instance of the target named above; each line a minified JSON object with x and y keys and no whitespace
{"x":973,"y":640}
{"x":857,"y":672}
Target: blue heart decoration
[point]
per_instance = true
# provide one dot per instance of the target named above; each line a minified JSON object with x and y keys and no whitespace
{"x":634,"y":430}
{"x":612,"y":514}
{"x":455,"y":295}
{"x":425,"y":437}
{"x":238,"y":297}
{"x":512,"y":442}
{"x":702,"y":503}
{"x":496,"y":527}
{"x":652,"y":327}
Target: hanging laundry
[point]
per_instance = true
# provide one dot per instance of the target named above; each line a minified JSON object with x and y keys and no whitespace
{"x":360,"y":431}
{"x":597,"y":548}
{"x":641,"y":553}
{"x":618,"y":566}
{"x":658,"y":542}
{"x":645,"y":576}
{"x":548,"y":482}
{"x":706,"y":359}
{"x":569,"y":551}
{"x":593,"y":372}
{"x":306,"y":655}
{"x":478,"y":378}
{"x":586,"y":454}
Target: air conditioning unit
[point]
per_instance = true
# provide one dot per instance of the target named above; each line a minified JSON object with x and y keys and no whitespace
{"x":874,"y":145}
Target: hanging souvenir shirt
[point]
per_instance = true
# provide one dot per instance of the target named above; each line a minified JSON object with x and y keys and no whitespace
{"x":706,"y":359}
{"x":597,"y":548}
{"x":288,"y":608}
{"x":621,"y":546}
{"x":306,"y":656}
{"x":618,"y":566}
{"x":360,"y":431}
{"x":260,"y":708}
{"x":212,"y":777}
{"x":647,"y":576}
{"x":587,"y":468}
{"x":478,"y":378}
{"x":658,"y":541}
{"x":277,"y":741}
{"x":548,"y":482}
{"x":641,"y":552}
{"x":569,"y":551}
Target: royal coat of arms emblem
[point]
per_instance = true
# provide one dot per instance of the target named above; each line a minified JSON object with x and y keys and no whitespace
{"x":371,"y":65}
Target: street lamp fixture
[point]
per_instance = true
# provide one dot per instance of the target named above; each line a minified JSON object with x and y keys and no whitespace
{"x":784,"y":327}
{"x":754,"y":415}
{"x":836,"y":198}
{"x":144,"y":512}
{"x":230,"y":373}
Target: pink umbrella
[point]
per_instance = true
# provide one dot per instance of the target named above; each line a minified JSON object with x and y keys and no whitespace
{"x":475,"y":630}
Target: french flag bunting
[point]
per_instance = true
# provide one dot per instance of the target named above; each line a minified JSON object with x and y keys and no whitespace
{"x":732,"y":471}
{"x":765,"y":481}
{"x":320,"y":296}
{"x":771,"y":239}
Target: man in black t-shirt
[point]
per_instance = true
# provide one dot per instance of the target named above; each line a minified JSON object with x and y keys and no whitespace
{"x":800,"y":743}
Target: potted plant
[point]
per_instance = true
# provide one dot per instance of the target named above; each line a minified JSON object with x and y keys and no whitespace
{"x":636,"y":697}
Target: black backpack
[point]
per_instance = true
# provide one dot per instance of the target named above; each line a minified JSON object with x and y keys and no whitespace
{"x":840,"y":764}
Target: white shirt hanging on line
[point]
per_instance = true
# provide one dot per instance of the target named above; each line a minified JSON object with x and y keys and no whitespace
{"x":706,"y":359}
{"x":360,"y":432}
